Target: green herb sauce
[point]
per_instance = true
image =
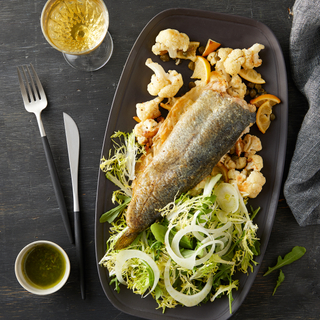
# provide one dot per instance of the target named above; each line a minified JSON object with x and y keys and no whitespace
{"x":44,"y":266}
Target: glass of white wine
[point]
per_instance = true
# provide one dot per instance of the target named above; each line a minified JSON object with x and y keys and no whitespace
{"x":79,"y":29}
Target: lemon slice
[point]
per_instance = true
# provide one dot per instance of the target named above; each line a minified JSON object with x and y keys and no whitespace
{"x":263,"y":116}
{"x":210,"y":47}
{"x":260,"y":100}
{"x":251,"y":76}
{"x":190,"y":53}
{"x":202,"y":69}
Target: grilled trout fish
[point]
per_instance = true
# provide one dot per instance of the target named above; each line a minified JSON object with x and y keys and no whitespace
{"x":206,"y":131}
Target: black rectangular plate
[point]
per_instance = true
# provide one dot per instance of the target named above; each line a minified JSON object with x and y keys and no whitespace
{"x":234,"y":32}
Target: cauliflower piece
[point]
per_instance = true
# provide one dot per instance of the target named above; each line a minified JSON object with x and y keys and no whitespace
{"x":240,"y":162}
{"x":254,"y":162}
{"x":252,"y":144}
{"x":252,"y":186}
{"x":233,"y":62}
{"x":170,"y":40}
{"x":249,"y":184}
{"x":223,"y":55}
{"x":145,"y":130}
{"x":165,"y":85}
{"x":237,"y":87}
{"x":149,"y":109}
{"x":237,"y":176}
{"x":251,"y":56}
{"x":228,"y":162}
{"x":217,"y":82}
{"x":238,"y":147}
{"x":213,"y":58}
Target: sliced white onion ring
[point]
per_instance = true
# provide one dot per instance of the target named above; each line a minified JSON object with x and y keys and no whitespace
{"x":175,"y":254}
{"x":187,"y":300}
{"x":191,"y":261}
{"x":185,"y":262}
{"x":125,"y":255}
{"x":210,"y":184}
{"x":227,"y":197}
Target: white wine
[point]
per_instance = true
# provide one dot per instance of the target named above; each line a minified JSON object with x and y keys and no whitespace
{"x":76,"y":26}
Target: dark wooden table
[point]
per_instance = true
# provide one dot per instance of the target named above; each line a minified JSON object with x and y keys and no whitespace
{"x":28,"y":208}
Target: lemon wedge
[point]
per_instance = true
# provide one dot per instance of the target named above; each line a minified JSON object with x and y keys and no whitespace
{"x":251,"y":76}
{"x":260,"y":100}
{"x":210,"y":47}
{"x":202,"y":69}
{"x":263,"y":116}
{"x":190,"y":53}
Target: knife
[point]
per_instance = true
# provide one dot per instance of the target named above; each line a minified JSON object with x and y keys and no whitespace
{"x":73,"y":145}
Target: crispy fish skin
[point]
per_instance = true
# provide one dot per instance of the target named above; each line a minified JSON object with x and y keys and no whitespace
{"x":204,"y":133}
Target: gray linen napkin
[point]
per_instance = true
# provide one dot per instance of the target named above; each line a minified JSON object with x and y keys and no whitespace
{"x":302,"y":187}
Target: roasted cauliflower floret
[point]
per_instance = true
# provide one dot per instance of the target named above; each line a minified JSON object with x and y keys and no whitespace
{"x":237,"y":87}
{"x":170,"y":40}
{"x":252,"y":144}
{"x":233,"y":62}
{"x":213,"y":57}
{"x":217,"y":82}
{"x":149,"y":109}
{"x":237,"y":176}
{"x":252,"y":186}
{"x":228,"y":162}
{"x":145,"y":130}
{"x":251,"y":56}
{"x":164,"y":85}
{"x":240,"y":162}
{"x":254,"y":162}
{"x":223,"y":55}
{"x":249,"y":183}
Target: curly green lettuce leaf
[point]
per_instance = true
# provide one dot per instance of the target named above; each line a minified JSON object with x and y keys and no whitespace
{"x":120,"y":165}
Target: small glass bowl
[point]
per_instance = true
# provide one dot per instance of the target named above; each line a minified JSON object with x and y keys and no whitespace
{"x":20,"y":274}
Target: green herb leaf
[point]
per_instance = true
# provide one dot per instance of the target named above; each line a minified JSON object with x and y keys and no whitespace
{"x":254,"y":212}
{"x":295,"y":254}
{"x":116,"y":284}
{"x":113,"y":213}
{"x":279,"y":281}
{"x":158,"y":231}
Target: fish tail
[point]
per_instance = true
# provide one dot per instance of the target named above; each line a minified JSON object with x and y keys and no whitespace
{"x":126,"y":239}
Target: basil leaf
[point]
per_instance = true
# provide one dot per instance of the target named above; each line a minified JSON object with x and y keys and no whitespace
{"x":295,"y":254}
{"x":279,"y":281}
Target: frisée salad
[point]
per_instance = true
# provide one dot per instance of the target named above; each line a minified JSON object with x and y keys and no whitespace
{"x":191,"y":255}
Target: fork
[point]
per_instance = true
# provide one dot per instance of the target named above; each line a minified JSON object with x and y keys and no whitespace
{"x":35,"y":101}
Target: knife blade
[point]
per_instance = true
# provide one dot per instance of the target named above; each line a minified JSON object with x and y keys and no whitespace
{"x":73,"y":146}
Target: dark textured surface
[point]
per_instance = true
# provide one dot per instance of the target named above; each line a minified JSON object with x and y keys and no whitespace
{"x":28,"y":208}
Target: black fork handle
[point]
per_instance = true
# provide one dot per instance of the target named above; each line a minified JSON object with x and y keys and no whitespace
{"x":57,"y":187}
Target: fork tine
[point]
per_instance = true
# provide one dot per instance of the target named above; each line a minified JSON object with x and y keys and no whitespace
{"x":23,"y":88}
{"x":41,"y":92}
{"x":35,"y":93}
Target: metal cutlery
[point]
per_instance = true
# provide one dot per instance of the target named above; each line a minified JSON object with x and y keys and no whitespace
{"x":73,"y":145}
{"x":35,"y":101}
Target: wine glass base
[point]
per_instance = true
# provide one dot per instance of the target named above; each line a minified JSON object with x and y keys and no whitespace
{"x":94,"y":60}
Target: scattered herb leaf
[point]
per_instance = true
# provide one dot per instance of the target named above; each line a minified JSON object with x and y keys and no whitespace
{"x":295,"y":254}
{"x":279,"y":281}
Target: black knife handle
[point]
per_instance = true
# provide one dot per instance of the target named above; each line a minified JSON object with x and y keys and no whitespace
{"x":79,"y":251}
{"x":57,"y":187}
